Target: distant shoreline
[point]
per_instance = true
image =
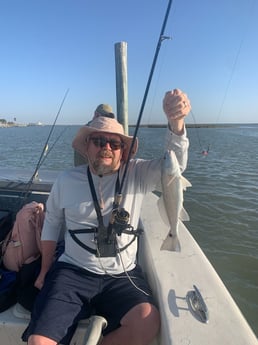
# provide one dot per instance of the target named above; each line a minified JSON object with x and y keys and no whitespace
{"x":200,"y":125}
{"x":10,"y":125}
{"x":154,"y":125}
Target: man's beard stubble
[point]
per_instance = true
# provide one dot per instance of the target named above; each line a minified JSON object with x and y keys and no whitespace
{"x":99,"y":167}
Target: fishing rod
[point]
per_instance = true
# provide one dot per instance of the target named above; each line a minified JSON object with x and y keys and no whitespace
{"x":160,"y":40}
{"x":52,"y":147}
{"x":120,"y":217}
{"x":43,"y":153}
{"x":45,"y":148}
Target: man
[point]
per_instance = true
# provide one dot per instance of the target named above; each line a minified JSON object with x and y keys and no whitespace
{"x":101,"y":110}
{"x":98,"y":271}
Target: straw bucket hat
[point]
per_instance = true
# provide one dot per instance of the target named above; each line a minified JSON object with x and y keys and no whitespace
{"x":103,"y":124}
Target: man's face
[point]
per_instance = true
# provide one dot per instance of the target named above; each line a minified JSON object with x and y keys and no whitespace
{"x":104,"y":152}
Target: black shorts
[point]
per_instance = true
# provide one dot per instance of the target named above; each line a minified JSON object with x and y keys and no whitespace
{"x":71,"y":294}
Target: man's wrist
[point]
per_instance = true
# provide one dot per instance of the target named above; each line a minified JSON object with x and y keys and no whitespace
{"x":177,"y":127}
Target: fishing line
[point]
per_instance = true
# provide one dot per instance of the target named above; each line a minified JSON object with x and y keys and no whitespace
{"x":236,"y":60}
{"x":229,"y":80}
{"x":203,"y":151}
{"x":228,"y":84}
{"x":126,"y":276}
{"x":162,"y":61}
{"x":160,"y":40}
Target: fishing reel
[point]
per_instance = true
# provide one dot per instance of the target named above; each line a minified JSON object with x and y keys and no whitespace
{"x":120,"y":222}
{"x":107,"y":243}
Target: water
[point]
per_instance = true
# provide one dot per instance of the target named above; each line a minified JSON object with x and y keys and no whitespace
{"x":222,"y":203}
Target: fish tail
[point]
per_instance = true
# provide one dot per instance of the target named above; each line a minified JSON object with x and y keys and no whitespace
{"x":171,"y":243}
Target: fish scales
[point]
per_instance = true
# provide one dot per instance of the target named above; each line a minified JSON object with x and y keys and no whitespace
{"x":171,"y":201}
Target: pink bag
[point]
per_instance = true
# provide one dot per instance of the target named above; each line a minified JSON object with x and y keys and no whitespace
{"x":22,"y":245}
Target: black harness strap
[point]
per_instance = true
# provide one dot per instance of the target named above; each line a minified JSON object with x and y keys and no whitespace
{"x":136,"y":233}
{"x":95,"y":199}
{"x":83,"y":231}
{"x":105,"y":248}
{"x":73,"y":233}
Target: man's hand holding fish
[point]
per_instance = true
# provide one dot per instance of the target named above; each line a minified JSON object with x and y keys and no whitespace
{"x":176,"y":106}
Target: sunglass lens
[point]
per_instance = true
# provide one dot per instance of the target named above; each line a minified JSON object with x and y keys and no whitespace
{"x":102,"y":142}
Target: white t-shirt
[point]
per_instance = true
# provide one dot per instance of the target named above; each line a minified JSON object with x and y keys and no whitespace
{"x":70,"y":202}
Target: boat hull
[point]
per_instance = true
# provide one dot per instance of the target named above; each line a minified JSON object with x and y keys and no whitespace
{"x":173,"y":274}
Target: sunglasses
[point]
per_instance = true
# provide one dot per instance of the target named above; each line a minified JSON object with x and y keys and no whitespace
{"x":102,"y":142}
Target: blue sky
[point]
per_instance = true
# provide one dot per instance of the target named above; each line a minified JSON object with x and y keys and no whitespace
{"x":48,"y":46}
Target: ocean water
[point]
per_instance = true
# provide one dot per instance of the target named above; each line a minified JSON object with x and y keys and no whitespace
{"x":222,"y":202}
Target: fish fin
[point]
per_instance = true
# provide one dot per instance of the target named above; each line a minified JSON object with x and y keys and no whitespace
{"x":184,"y":216}
{"x":171,"y":243}
{"x":185,"y":182}
{"x":162,"y":210}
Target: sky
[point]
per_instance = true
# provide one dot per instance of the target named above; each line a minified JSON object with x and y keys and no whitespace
{"x":50,"y":46}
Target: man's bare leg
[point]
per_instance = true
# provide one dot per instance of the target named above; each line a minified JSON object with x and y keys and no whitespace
{"x":138,"y":327}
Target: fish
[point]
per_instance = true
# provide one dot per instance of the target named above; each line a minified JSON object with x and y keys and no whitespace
{"x":170,"y":203}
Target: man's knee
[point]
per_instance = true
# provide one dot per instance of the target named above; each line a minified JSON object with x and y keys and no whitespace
{"x":144,"y":321}
{"x":35,"y":339}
